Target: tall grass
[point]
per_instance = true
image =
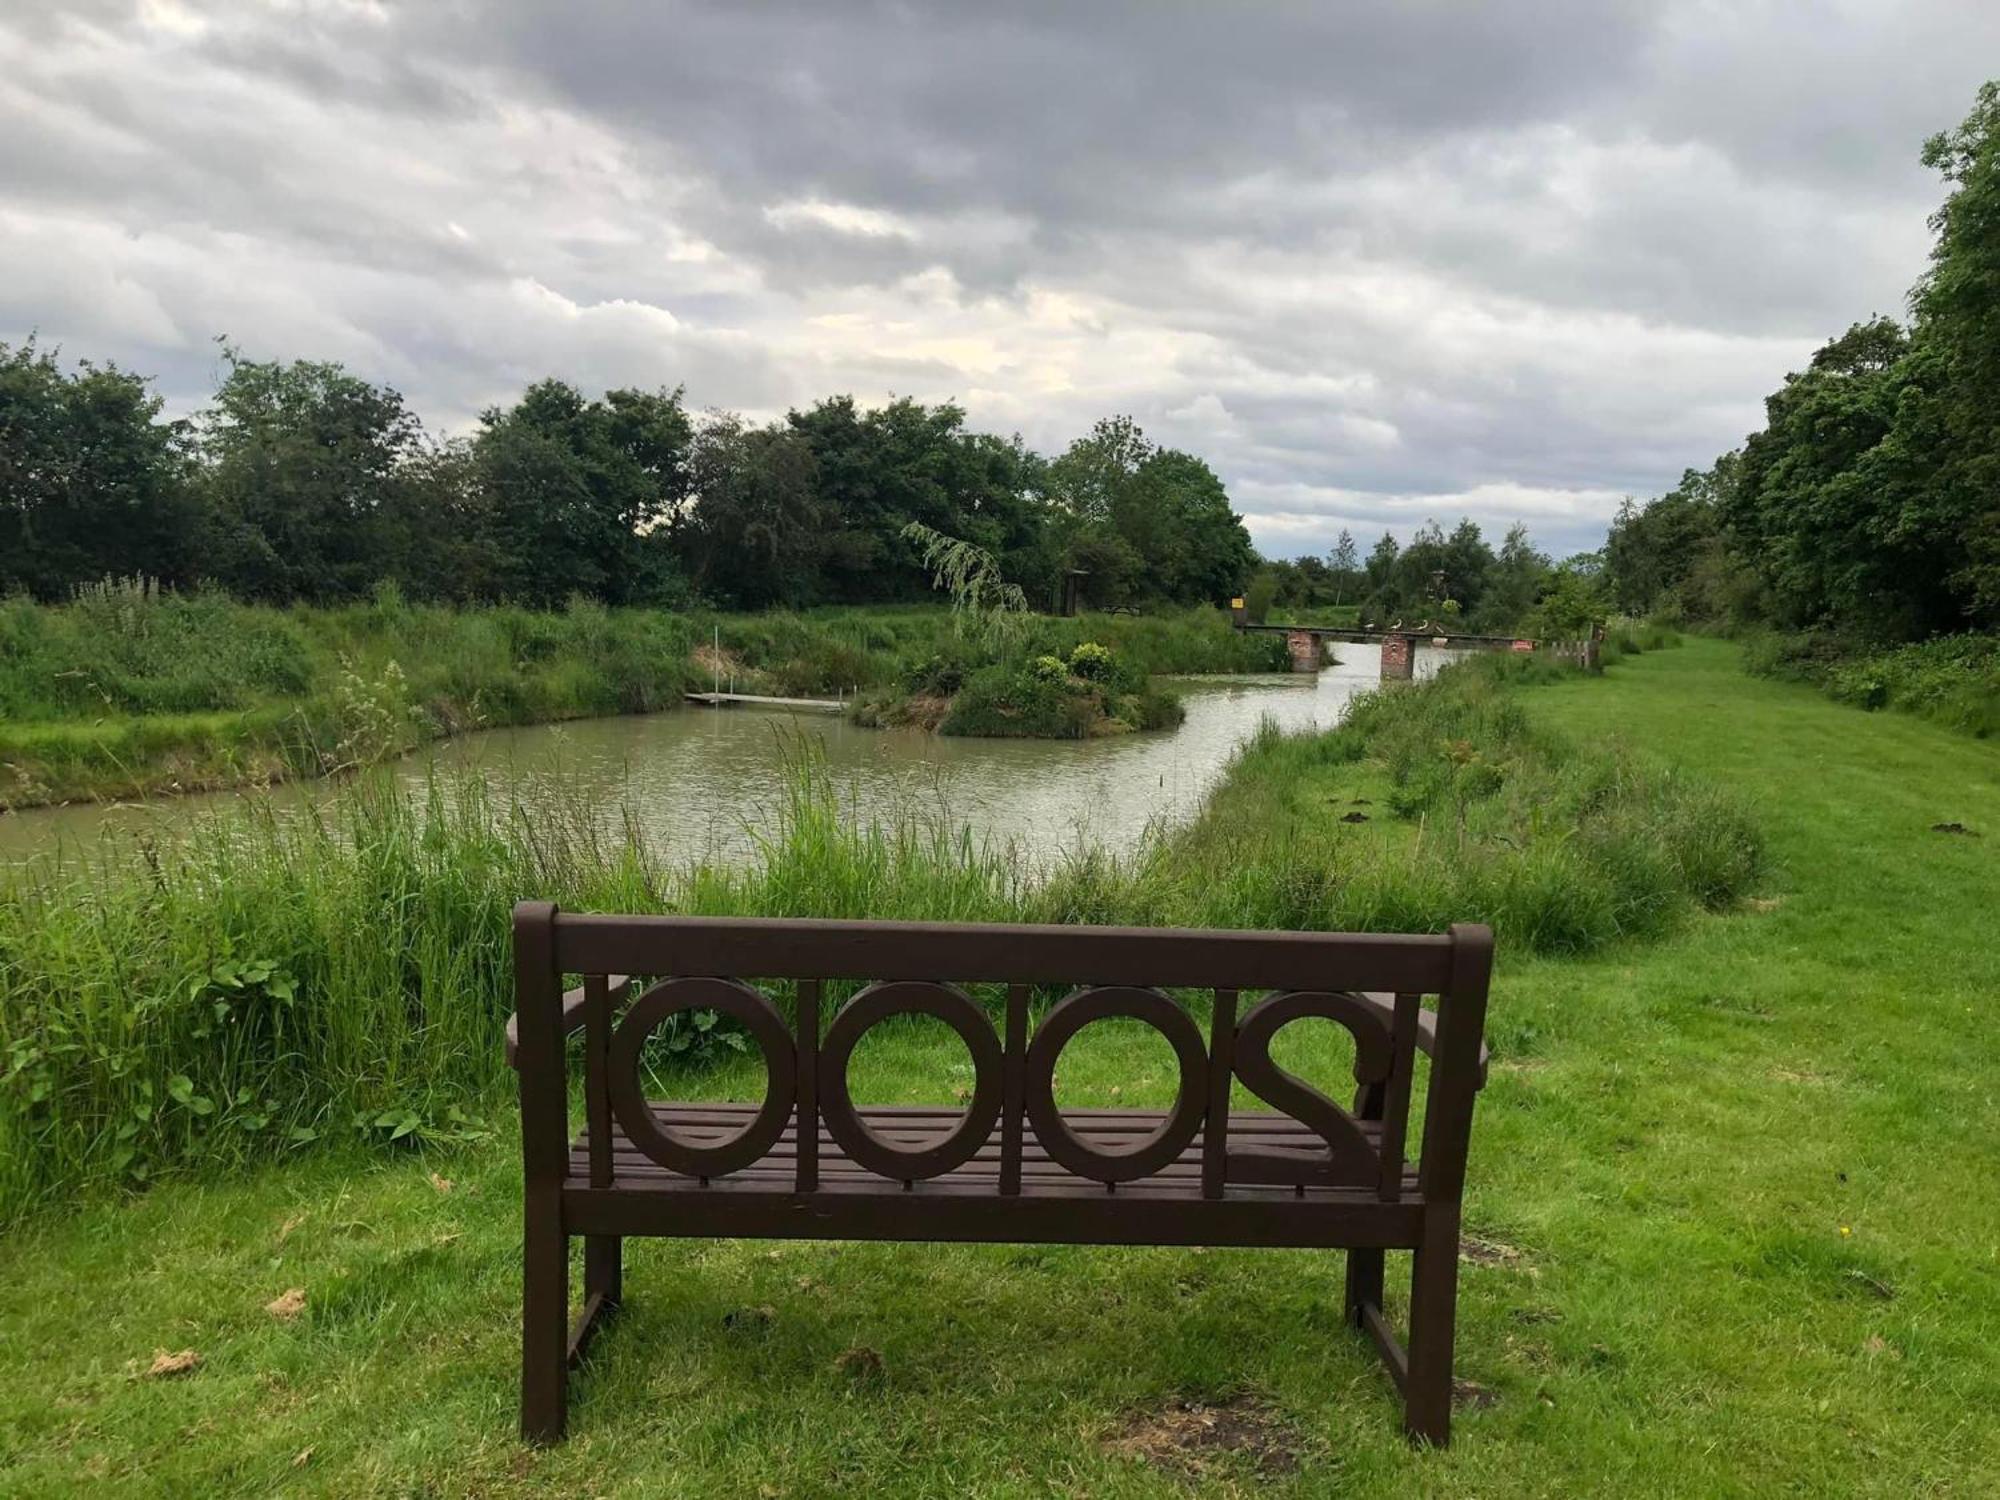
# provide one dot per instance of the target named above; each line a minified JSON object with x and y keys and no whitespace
{"x":126,"y":691}
{"x":1562,"y":848}
{"x":257,"y":985}
{"x":1628,"y":637}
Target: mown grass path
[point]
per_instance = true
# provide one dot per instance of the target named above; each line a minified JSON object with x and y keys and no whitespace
{"x":1735,"y":1216}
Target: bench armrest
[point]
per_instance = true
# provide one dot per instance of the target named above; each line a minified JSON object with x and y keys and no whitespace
{"x":1385,"y":1007}
{"x":572,"y":1016}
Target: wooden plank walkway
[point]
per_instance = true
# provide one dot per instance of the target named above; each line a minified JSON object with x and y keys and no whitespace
{"x":755,"y":700}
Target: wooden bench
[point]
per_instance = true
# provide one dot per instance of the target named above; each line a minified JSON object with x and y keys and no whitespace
{"x":808,"y":1163}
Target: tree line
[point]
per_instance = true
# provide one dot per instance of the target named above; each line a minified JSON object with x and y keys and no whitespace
{"x":1455,"y":578}
{"x":1868,"y":505}
{"x":302,"y":481}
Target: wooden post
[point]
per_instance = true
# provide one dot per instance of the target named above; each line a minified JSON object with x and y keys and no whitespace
{"x":1015,"y":1088}
{"x":806,"y":1120}
{"x":1461,"y":1019}
{"x":1221,"y":1073}
{"x":1072,"y":590}
{"x":544,"y":1160}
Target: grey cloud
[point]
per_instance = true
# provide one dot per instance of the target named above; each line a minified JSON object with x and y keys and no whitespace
{"x":1372,"y":264}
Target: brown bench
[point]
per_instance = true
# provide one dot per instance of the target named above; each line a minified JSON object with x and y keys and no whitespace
{"x":808,"y":1163}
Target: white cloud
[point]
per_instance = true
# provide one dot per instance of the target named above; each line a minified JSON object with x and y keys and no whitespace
{"x":842,"y":218}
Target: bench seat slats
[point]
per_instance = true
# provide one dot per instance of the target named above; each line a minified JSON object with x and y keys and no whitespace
{"x":912,"y":1125}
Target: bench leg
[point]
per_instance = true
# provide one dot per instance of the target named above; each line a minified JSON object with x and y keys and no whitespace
{"x":1364,"y":1284}
{"x":603,"y":1290}
{"x":604,"y":1268}
{"x":1433,"y":1312}
{"x":544,"y":1326}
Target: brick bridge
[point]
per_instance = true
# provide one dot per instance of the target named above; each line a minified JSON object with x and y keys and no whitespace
{"x":1307,"y":644}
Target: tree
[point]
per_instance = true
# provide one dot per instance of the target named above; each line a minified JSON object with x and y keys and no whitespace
{"x":1418,"y":584}
{"x":92,"y":482}
{"x":1258,"y":598}
{"x":1651,"y":550}
{"x":1086,"y":482}
{"x":1176,"y":515}
{"x":1957,"y":306}
{"x":1571,"y":602}
{"x":1145,"y":522}
{"x":1515,"y":581}
{"x":1840,"y":524}
{"x":754,"y":530}
{"x":1380,"y":577}
{"x":1468,"y":562}
{"x":575,"y":489}
{"x":878,"y":471}
{"x":299,"y":462}
{"x":1345,"y":565}
{"x":438,"y":530}
{"x":981,"y":599}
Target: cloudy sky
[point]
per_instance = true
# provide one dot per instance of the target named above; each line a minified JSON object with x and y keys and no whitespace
{"x":1444,"y":258}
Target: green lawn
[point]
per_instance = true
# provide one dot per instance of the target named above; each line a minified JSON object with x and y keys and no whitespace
{"x":1734,"y":1194}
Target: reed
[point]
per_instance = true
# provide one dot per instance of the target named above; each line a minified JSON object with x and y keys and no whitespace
{"x":263,"y":981}
{"x":127,"y":691}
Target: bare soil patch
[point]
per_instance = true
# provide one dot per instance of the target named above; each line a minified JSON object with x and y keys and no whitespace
{"x":1189,"y":1438}
{"x":1481,"y":1252}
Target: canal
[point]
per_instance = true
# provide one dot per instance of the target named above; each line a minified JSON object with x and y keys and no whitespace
{"x":701,"y":783}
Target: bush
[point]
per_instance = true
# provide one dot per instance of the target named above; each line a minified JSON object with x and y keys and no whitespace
{"x":1154,"y":707}
{"x":937,"y":676}
{"x":1952,"y":680}
{"x":1096,"y":692}
{"x":1092,"y":662}
{"x":1005,"y":701}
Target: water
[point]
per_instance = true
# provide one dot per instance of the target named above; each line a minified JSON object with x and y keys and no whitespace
{"x":699,"y":781}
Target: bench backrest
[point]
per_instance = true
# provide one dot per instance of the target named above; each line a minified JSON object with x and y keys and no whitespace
{"x":1372,"y":984}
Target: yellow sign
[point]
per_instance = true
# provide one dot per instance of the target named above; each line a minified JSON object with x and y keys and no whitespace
{"x":1236,"y":603}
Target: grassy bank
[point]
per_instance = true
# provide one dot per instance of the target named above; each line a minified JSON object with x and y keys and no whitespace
{"x":265,"y":986}
{"x":1953,"y":680}
{"x":1726,"y":1233}
{"x":127,"y":693}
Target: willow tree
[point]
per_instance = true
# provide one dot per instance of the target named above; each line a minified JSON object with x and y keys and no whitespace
{"x":982,"y":602}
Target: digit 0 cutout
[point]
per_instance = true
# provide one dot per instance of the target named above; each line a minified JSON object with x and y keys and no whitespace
{"x":954,"y":1147}
{"x":628,"y":1095}
{"x":1158,"y":1147}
